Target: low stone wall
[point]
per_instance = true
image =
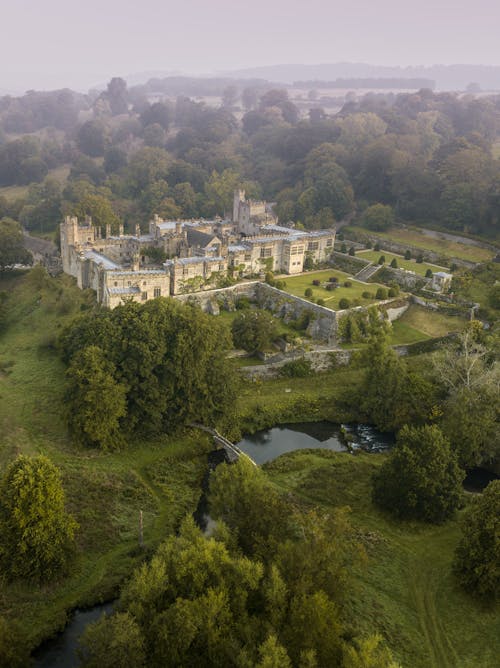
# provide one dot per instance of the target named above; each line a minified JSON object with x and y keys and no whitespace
{"x":323,"y":325}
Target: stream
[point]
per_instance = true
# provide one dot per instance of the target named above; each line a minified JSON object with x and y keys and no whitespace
{"x":263,"y":446}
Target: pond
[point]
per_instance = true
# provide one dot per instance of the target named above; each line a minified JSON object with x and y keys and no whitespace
{"x":271,"y":443}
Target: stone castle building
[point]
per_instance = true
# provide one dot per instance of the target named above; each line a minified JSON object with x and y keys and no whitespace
{"x":178,"y":257}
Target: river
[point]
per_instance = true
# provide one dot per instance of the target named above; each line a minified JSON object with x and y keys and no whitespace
{"x":263,"y":446}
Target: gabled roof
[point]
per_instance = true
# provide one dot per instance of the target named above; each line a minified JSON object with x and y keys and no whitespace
{"x":201,"y":239}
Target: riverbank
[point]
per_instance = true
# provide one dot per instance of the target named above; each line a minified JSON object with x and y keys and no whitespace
{"x":406,"y":591}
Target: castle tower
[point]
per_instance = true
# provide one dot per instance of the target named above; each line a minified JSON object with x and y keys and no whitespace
{"x":239,"y":196}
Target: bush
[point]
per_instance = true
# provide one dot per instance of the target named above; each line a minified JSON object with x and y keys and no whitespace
{"x":352,"y":251}
{"x":381,"y":259}
{"x":269,"y":277}
{"x":421,"y":479}
{"x":316,"y":282}
{"x":392,"y":292}
{"x":477,"y":557}
{"x":367,"y":295}
{"x":420,"y":258}
{"x":394,"y":263}
{"x":344,"y":303}
{"x":300,"y":368}
{"x":242,"y":303}
{"x":378,"y":217}
{"x":253,"y":330}
{"x":377,"y":246}
{"x":368,"y":244}
{"x":333,"y":279}
{"x":381,"y":293}
{"x":320,"y":302}
{"x":331,"y":286}
{"x":308,"y":292}
{"x":408,"y":255}
{"x":280,"y":285}
{"x":343,"y":248}
{"x":347,"y":284}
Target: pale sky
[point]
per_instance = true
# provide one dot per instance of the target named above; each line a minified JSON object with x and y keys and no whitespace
{"x":80,"y":43}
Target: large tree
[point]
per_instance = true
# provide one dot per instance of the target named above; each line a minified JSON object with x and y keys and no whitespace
{"x":37,"y":532}
{"x":12,"y":250}
{"x":421,"y":479}
{"x":477,"y":557}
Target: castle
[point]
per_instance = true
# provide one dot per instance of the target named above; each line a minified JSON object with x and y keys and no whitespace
{"x":178,"y":257}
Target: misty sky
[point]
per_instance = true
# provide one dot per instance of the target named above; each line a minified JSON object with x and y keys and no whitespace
{"x":80,"y":43}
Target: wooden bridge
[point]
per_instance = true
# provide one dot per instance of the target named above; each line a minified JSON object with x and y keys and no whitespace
{"x":232,"y":451}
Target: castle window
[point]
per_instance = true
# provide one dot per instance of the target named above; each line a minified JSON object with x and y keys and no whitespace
{"x":329,"y":242}
{"x":129,"y":283}
{"x":266,"y":252}
{"x":313,"y":245}
{"x":248,"y":257}
{"x":116,"y":284}
{"x":144,"y":296}
{"x":157,"y":292}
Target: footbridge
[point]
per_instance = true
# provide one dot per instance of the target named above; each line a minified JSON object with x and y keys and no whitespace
{"x":232,"y":451}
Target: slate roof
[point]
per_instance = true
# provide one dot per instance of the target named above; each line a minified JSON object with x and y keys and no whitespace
{"x":197,"y":238}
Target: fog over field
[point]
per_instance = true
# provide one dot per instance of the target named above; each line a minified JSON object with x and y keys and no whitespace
{"x":79,"y":45}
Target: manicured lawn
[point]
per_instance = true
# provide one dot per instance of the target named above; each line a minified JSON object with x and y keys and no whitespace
{"x":431,"y":324}
{"x":413,"y":237}
{"x":412,"y":265}
{"x":406,"y":590}
{"x":296,"y":285}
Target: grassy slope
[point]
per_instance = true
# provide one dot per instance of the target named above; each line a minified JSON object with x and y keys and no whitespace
{"x":16,"y":192}
{"x":104,"y":491}
{"x":406,"y":591}
{"x":414,"y":237}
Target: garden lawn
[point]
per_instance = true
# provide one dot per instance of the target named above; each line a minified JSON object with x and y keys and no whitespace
{"x":419,"y":268}
{"x":430,"y":323}
{"x":416,"y":238}
{"x":297,"y":285}
{"x":406,"y":590}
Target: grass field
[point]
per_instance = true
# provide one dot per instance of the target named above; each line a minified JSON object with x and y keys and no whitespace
{"x":406,"y":591}
{"x":412,"y":265}
{"x":16,"y":192}
{"x":296,"y":285}
{"x":105,"y":492}
{"x":416,"y":238}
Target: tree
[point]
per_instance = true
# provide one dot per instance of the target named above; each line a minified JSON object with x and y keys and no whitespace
{"x":95,"y":400}
{"x":99,"y":208}
{"x":154,"y":135}
{"x":113,"y":641}
{"x":117,"y":96}
{"x":378,"y":217}
{"x":477,"y":557}
{"x":12,"y":250}
{"x":13,"y":653}
{"x":394,"y":263}
{"x":37,"y":533}
{"x":254,"y":330}
{"x":92,"y":138}
{"x":421,"y":479}
{"x":369,"y":652}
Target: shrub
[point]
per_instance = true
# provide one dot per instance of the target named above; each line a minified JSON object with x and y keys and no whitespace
{"x":421,"y":479}
{"x":378,"y":217}
{"x":242,"y":303}
{"x":347,"y":284}
{"x":308,"y":292}
{"x":352,"y":251}
{"x":316,"y":282}
{"x":368,"y":244}
{"x":269,"y":277}
{"x":381,"y":259}
{"x":420,"y":258}
{"x":320,"y":302}
{"x":300,"y":368}
{"x":333,"y":279}
{"x":343,"y":248}
{"x":367,"y":295}
{"x":392,"y":292}
{"x":344,"y":303}
{"x":428,"y":273}
{"x":394,"y":263}
{"x":408,"y":255}
{"x":377,"y":246}
{"x":331,"y":286}
{"x":381,"y":293}
{"x":280,"y":285}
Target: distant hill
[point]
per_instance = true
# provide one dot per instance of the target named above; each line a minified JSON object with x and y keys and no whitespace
{"x":447,"y":77}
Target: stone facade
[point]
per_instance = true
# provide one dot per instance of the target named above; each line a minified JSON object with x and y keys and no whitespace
{"x":198,"y":253}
